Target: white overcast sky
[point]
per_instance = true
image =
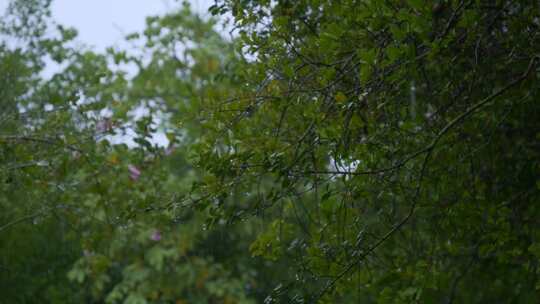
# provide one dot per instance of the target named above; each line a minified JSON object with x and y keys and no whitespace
{"x":103,"y":23}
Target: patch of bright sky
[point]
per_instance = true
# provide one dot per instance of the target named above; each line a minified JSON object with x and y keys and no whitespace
{"x":104,"y":23}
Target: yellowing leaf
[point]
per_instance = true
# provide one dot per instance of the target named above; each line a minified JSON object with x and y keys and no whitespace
{"x":340,"y":97}
{"x":212,"y":65}
{"x":113,"y":159}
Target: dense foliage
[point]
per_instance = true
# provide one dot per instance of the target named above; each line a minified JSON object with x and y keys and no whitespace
{"x":347,"y":151}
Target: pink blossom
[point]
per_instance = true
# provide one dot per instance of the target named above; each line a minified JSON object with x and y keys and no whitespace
{"x":104,"y":125}
{"x":156,"y":236}
{"x":169,"y":150}
{"x":134,"y":172}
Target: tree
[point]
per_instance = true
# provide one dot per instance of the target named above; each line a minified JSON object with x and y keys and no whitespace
{"x":37,"y":151}
{"x":87,"y":218}
{"x":159,"y":250}
{"x":397,"y":143}
{"x":329,"y":152}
